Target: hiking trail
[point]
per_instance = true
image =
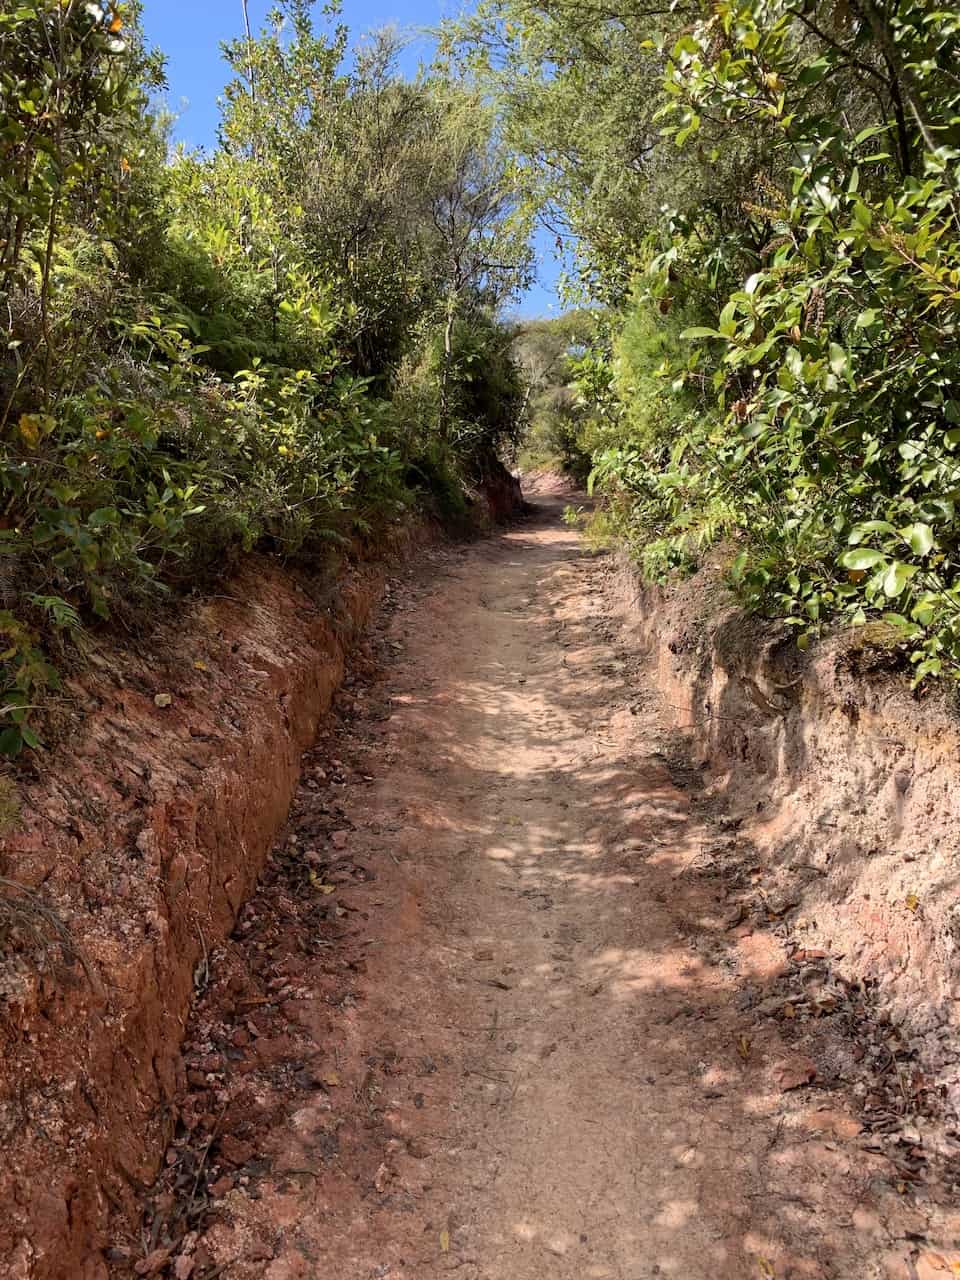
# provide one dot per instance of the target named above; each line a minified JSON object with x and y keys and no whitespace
{"x":485,"y":1016}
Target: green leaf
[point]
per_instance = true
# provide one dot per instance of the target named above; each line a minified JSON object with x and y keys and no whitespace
{"x":897,"y":577}
{"x":920,"y":538}
{"x":103,"y":516}
{"x":929,"y":667}
{"x":860,"y":531}
{"x":814,"y":72}
{"x":870,"y":132}
{"x":698,"y":331}
{"x":728,"y":323}
{"x":862,"y":558}
{"x":839,"y":360}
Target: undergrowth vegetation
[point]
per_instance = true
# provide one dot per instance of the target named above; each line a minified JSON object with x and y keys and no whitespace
{"x":280,"y":344}
{"x":764,"y":201}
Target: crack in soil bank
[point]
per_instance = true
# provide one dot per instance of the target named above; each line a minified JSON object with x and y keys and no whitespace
{"x":510,"y":1002}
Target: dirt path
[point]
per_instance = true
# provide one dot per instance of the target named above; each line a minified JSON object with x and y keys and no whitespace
{"x":487,"y":1016}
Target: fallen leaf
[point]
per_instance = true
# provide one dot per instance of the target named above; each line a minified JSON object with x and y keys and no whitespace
{"x":444,"y":1241}
{"x":832,"y":1123}
{"x":743,"y":1047}
{"x":795,"y":1073}
{"x":911,"y":902}
{"x":789,"y":1011}
{"x":153,"y":1263}
{"x":29,"y":431}
{"x":201,"y":666}
{"x":331,"y":1079}
{"x":163,"y":699}
{"x":33,"y":426}
{"x":319,"y":885}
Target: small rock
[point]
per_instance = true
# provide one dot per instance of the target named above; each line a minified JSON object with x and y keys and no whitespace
{"x":235,"y":1151}
{"x":183,"y":1267}
{"x":339,"y":839}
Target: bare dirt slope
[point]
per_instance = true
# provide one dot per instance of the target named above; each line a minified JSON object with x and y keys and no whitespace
{"x":492,"y":1012}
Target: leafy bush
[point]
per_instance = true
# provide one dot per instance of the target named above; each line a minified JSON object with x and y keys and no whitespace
{"x":209,"y":353}
{"x":783,"y":264}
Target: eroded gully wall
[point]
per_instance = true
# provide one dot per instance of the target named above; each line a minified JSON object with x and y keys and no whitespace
{"x":847,"y":785}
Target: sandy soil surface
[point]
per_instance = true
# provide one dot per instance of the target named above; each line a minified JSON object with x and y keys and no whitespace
{"x":489,"y":1016}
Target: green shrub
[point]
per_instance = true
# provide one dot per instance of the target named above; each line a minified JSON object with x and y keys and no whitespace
{"x":284,"y":344}
{"x":766,"y":196}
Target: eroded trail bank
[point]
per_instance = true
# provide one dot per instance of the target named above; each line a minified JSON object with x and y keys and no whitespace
{"x":495,"y":1011}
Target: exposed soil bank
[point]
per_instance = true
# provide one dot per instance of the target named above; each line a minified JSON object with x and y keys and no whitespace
{"x":146,"y":833}
{"x":147,"y":836}
{"x":847,"y":786}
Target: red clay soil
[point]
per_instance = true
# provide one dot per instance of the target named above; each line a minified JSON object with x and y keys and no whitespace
{"x":847,"y":782}
{"x":145,"y":834}
{"x":497,"y":1008}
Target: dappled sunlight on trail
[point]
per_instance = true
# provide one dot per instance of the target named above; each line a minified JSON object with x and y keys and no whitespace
{"x":615,"y":1129}
{"x":560,"y":991}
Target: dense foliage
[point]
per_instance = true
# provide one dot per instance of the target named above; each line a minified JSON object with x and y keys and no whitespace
{"x":552,"y":355}
{"x":765,"y":196}
{"x":279,"y":344}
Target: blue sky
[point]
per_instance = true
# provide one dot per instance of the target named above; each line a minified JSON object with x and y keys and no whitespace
{"x":190,"y":31}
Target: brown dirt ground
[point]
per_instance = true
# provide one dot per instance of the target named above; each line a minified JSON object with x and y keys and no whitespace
{"x":489,"y":1016}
